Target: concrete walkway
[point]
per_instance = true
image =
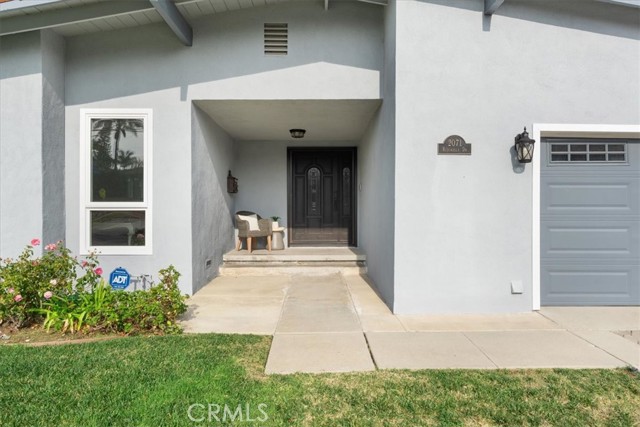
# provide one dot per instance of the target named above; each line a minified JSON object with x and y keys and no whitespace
{"x":336,"y":323}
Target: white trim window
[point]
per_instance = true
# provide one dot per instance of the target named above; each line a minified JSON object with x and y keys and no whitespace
{"x":115,"y":181}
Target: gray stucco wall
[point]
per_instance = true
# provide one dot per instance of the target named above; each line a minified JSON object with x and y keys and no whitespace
{"x":21,"y":147}
{"x":53,"y":222}
{"x":262,"y":178}
{"x":171,"y":181}
{"x":213,"y":155}
{"x":332,"y":55}
{"x":376,"y":186}
{"x":104,"y":71}
{"x":463,"y":223}
{"x":32,"y":140}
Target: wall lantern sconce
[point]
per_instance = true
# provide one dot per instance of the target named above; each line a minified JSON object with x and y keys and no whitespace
{"x":232,"y":183}
{"x":524,"y":147}
{"x":297,"y":133}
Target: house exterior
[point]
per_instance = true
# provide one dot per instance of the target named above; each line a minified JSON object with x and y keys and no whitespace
{"x":120,"y":123}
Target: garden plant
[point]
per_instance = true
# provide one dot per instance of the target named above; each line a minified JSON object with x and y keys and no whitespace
{"x":69,"y":295}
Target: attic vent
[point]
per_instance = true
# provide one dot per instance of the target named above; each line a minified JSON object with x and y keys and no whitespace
{"x":276,"y":39}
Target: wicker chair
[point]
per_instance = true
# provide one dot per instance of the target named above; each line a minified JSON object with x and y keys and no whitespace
{"x":244,"y":232}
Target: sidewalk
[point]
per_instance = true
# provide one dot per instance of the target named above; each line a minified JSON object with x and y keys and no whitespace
{"x":335,"y":323}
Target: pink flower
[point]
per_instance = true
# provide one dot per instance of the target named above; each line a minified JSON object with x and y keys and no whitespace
{"x":51,"y":247}
{"x":35,"y":242}
{"x":17,"y":298}
{"x":84,"y":263}
{"x":10,"y":290}
{"x":48,"y":295}
{"x":98,"y":271}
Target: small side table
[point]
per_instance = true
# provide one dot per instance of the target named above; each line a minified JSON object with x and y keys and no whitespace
{"x":277,"y":239}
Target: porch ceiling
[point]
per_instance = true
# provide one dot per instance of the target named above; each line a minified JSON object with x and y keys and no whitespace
{"x":270,"y":120}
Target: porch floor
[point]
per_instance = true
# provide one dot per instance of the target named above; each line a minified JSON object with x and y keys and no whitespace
{"x":297,"y":260}
{"x":298,"y":254}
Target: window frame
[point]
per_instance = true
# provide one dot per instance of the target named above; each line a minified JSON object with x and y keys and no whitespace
{"x":587,"y":142}
{"x":87,"y":206}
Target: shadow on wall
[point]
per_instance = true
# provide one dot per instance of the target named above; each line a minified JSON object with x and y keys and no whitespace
{"x":515,"y":164}
{"x":213,"y":153}
{"x":591,"y":16}
{"x":226,"y":46}
{"x":20,"y":46}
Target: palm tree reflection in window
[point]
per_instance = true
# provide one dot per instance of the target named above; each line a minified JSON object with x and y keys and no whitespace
{"x":117,"y":156}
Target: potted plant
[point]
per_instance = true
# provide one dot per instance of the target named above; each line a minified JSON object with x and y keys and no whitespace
{"x":275,"y":222}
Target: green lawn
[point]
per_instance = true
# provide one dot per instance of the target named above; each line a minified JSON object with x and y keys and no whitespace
{"x":152,"y":381}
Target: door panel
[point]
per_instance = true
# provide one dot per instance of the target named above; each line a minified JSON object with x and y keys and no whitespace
{"x":590,"y":222}
{"x":322,"y":209}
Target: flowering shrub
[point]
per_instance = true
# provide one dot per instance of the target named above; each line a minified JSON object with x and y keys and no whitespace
{"x":155,"y":310}
{"x":71,"y":296}
{"x":27,"y":282}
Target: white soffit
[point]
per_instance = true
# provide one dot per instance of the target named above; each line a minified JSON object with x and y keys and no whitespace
{"x":118,"y":14}
{"x":270,"y":120}
{"x":132,"y":14}
{"x":628,"y":3}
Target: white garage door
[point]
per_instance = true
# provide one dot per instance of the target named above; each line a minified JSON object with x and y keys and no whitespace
{"x":590,"y":222}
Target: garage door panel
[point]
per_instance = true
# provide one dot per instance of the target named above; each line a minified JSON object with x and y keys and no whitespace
{"x":590,"y":222}
{"x":571,"y":195}
{"x":590,"y":239}
{"x":590,"y":285}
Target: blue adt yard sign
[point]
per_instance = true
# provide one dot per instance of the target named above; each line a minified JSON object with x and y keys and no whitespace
{"x":119,"y":278}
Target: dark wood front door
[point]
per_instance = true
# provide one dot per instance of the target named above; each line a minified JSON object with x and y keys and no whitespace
{"x":322,"y":197}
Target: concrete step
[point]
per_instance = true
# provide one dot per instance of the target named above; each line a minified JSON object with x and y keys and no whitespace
{"x":348,"y":261}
